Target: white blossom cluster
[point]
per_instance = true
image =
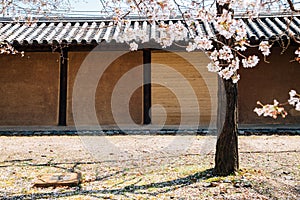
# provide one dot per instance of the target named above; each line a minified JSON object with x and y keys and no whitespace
{"x":228,"y":26}
{"x":253,"y":8}
{"x":170,"y":33}
{"x":224,"y":55}
{"x":250,"y":62}
{"x":202,"y":43}
{"x":154,"y":10}
{"x":264,"y":47}
{"x":297,"y":52}
{"x":223,"y":2}
{"x":294,"y":99}
{"x":231,"y":28}
{"x":225,"y":61}
{"x":130,"y":34}
{"x":226,"y":64}
{"x":275,"y":109}
{"x":6,"y":48}
{"x":28,"y":10}
{"x":271,"y":110}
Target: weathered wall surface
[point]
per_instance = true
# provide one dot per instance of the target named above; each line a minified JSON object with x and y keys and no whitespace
{"x":183,"y":91}
{"x":92,"y":101}
{"x":29,"y":89}
{"x":266,"y":82}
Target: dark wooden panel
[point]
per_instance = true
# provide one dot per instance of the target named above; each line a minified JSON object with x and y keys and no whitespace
{"x":147,"y":86}
{"x":266,"y":82}
{"x":63,"y":87}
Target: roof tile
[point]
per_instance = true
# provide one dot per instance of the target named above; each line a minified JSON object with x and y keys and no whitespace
{"x":91,"y":31}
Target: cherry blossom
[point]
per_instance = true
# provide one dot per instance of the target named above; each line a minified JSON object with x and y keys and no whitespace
{"x":276,"y":108}
{"x":213,"y":67}
{"x":170,"y":33}
{"x":250,"y":62}
{"x":297,"y":52}
{"x":6,"y":48}
{"x":223,"y":2}
{"x":235,"y":78}
{"x":188,"y":16}
{"x":297,"y":107}
{"x":235,"y":64}
{"x":203,"y":43}
{"x":226,"y":25}
{"x":226,"y":73}
{"x":225,"y":53}
{"x":214,"y":55}
{"x":133,"y":46}
{"x":270,"y":110}
{"x":185,"y":28}
{"x":294,"y":99}
{"x":264,"y":47}
{"x":31,"y":10}
{"x":191,"y":47}
{"x":241,"y":47}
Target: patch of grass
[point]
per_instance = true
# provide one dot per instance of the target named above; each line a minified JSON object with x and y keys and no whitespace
{"x":186,"y":170}
{"x":248,"y":171}
{"x":215,"y":179}
{"x":234,"y":177}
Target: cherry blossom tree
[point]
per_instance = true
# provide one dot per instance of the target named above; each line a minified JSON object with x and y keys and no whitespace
{"x":29,"y":11}
{"x":226,"y":48}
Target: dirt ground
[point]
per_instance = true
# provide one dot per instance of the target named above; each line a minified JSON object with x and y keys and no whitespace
{"x":149,"y":167}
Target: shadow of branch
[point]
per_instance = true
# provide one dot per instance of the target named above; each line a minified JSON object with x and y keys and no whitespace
{"x":166,"y":186}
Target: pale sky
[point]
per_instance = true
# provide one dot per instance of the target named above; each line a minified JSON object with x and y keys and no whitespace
{"x":92,"y":6}
{"x":79,"y":6}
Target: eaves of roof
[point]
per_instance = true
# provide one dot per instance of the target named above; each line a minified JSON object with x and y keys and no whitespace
{"x":95,"y":31}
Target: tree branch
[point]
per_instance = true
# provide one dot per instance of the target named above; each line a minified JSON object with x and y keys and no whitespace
{"x":292,"y":7}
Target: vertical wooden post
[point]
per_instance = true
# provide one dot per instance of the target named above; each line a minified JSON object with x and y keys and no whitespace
{"x":147,"y":86}
{"x":63,"y":87}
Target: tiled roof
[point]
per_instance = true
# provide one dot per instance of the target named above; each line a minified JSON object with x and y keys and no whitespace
{"x":95,"y":31}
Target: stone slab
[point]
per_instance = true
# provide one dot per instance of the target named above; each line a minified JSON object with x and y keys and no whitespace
{"x":57,"y":180}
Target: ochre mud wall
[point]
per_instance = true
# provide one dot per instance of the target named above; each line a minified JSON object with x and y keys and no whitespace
{"x":29,"y":89}
{"x":103,"y":107}
{"x":183,"y":91}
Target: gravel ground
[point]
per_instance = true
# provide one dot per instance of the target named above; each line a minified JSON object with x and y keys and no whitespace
{"x":149,"y":167}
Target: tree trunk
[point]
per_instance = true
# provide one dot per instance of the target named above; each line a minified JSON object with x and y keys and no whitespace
{"x":226,"y":158}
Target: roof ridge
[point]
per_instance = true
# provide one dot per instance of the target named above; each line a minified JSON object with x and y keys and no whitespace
{"x":134,"y":18}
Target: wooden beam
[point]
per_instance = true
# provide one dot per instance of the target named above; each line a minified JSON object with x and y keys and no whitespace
{"x":147,"y":86}
{"x":63,"y":87}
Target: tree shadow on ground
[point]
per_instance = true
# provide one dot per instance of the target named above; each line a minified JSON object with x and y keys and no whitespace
{"x":277,"y":189}
{"x":164,"y":186}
